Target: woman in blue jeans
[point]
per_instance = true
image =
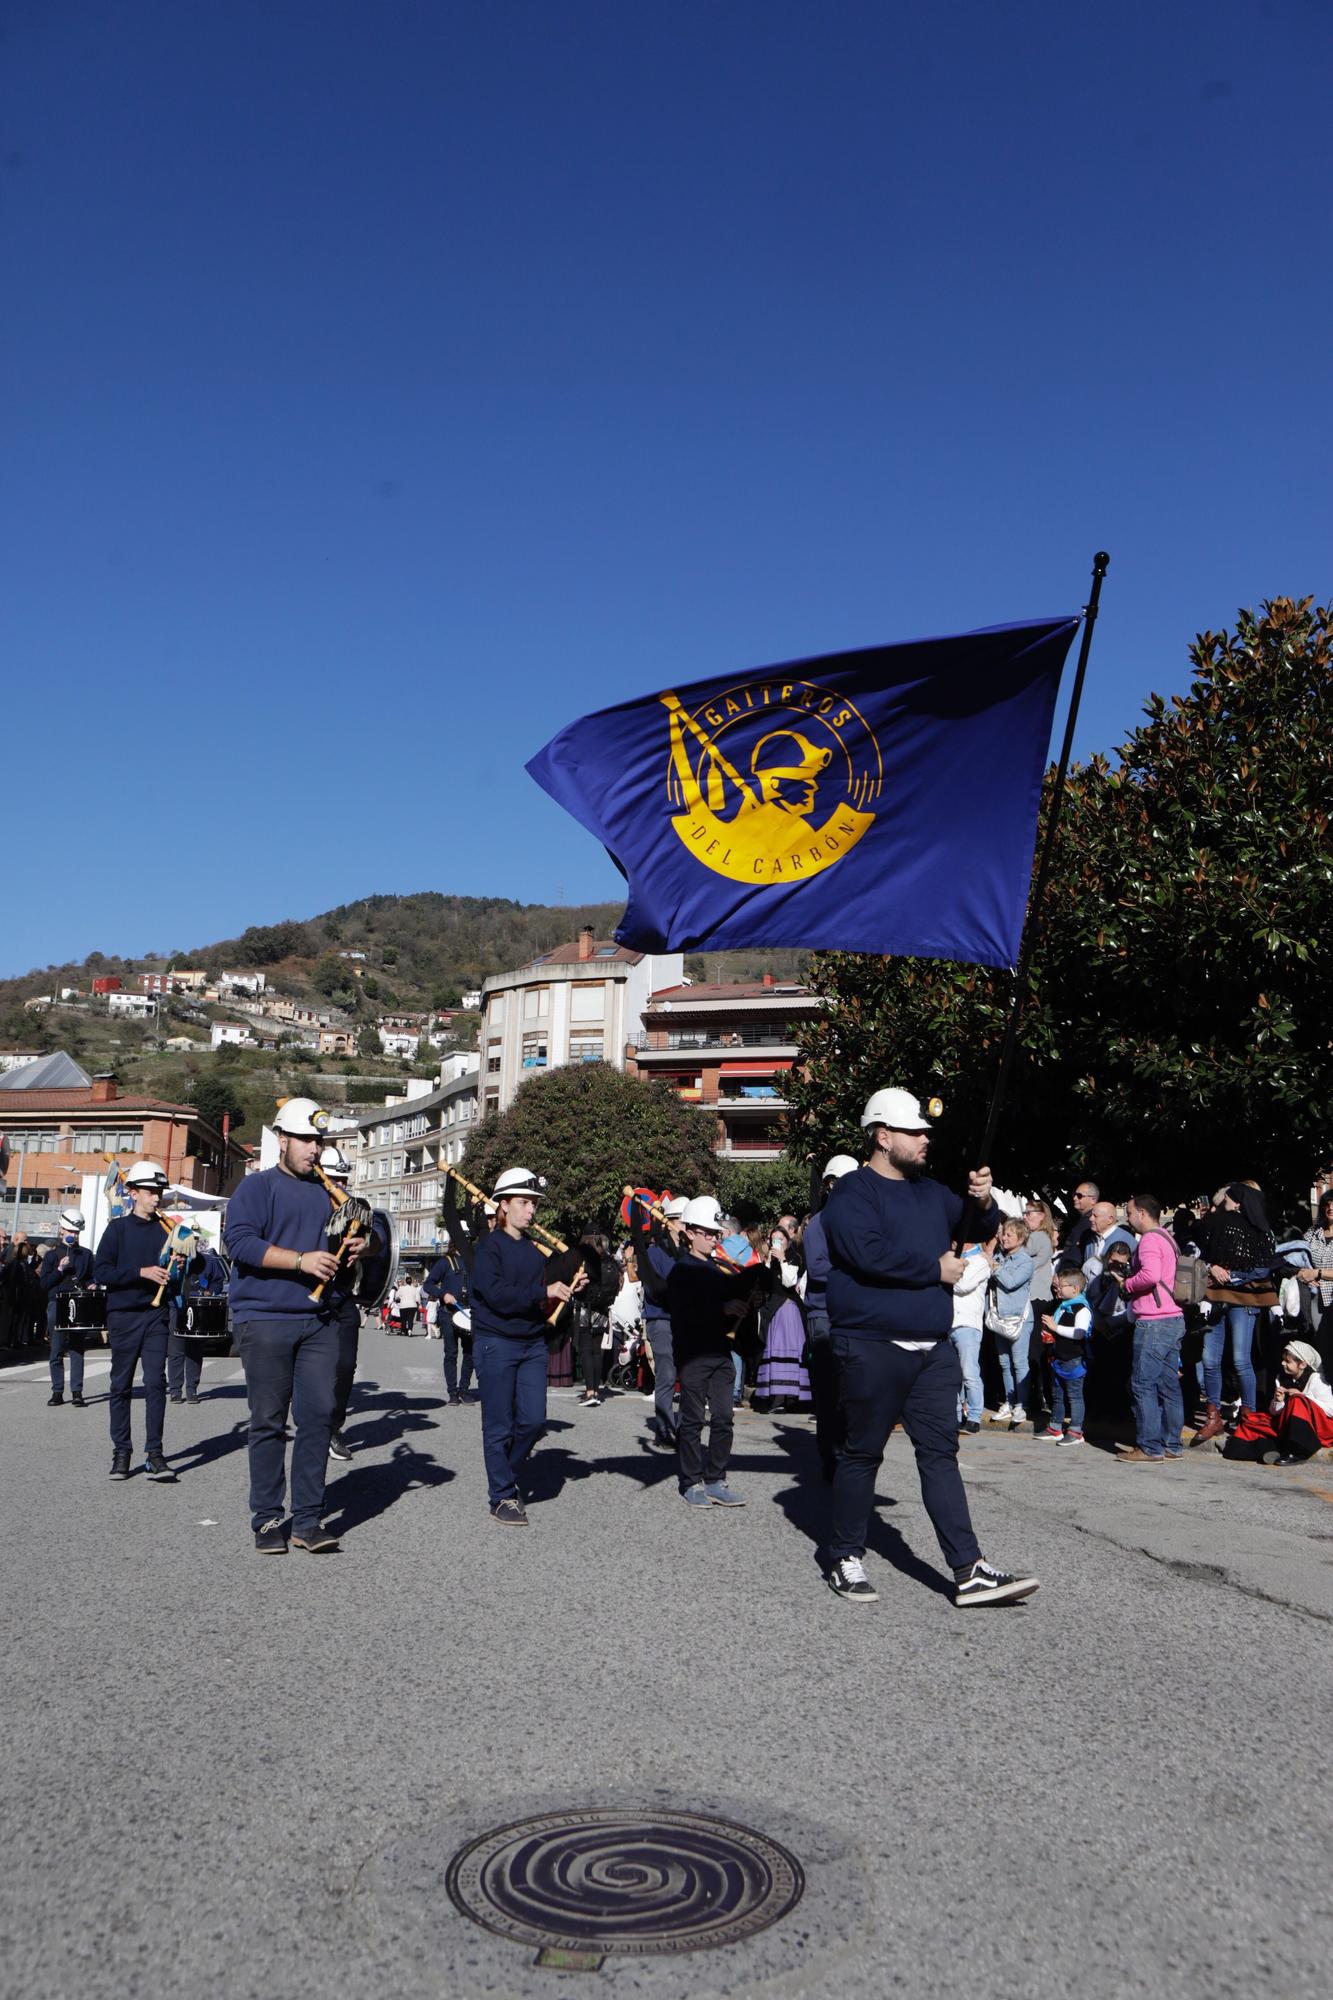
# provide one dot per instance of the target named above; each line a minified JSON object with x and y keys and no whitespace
{"x":1240,"y":1253}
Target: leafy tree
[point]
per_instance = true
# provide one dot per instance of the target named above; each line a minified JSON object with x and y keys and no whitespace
{"x":591,"y":1130}
{"x":1175,"y":1031}
{"x":368,"y":1042}
{"x":329,"y":974}
{"x":216,"y":1094}
{"x":761,"y":1190}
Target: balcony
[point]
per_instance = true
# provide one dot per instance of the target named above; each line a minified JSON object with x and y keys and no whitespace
{"x":773,"y":1041}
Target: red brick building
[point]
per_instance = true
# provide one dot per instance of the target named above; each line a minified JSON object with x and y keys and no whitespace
{"x":62,"y":1134}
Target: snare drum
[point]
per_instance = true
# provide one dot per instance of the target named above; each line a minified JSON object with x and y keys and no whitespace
{"x":82,"y":1311}
{"x":205,"y":1318}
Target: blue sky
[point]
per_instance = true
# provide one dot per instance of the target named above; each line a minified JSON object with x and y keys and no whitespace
{"x":387,"y":384}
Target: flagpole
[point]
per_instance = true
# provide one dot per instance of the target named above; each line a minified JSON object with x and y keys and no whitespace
{"x":1030,"y":928}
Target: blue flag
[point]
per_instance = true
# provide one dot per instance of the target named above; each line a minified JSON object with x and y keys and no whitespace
{"x":881,"y":801}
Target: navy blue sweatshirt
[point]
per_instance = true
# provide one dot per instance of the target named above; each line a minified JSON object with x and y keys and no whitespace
{"x":885,"y":1240}
{"x":268,"y":1209}
{"x":814,"y":1247}
{"x":78,"y":1271}
{"x":508,"y":1287}
{"x":447,"y":1274}
{"x":128,"y":1244}
{"x":698,"y":1291}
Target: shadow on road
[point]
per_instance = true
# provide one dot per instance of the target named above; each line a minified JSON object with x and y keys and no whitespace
{"x":368,"y":1490}
{"x":194,"y":1457}
{"x":808,"y":1505}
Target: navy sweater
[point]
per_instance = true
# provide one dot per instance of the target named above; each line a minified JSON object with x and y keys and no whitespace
{"x":127,"y":1245}
{"x":447,"y":1275}
{"x":698,"y":1291}
{"x":274,"y":1208}
{"x":885,"y":1242}
{"x":508,"y":1287}
{"x":78,"y":1268}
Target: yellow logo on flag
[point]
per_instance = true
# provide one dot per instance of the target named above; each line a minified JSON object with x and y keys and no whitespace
{"x":772,"y":781}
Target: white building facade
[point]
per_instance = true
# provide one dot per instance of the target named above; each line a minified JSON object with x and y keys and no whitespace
{"x":403,"y":1148}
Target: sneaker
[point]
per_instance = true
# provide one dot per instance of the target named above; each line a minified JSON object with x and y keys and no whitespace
{"x":1072,"y":1437}
{"x":721,"y":1494}
{"x":453,"y":1402}
{"x":54,"y":1400}
{"x":77,"y":1401}
{"x":848,"y":1579}
{"x":337,"y":1449}
{"x":120,"y":1465}
{"x":1002,"y":1415}
{"x":510,"y":1513}
{"x":157,"y":1468}
{"x":695,"y":1496}
{"x":971,"y":1427}
{"x":1131,"y":1455}
{"x":1052,"y":1433}
{"x":1016,"y":1420}
{"x":192,"y":1399}
{"x":175,"y":1399}
{"x":984,"y":1585}
{"x":319,"y":1542}
{"x":270,"y":1540}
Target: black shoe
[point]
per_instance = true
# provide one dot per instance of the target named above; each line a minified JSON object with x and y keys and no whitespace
{"x":76,"y":1400}
{"x":175,"y":1399}
{"x":192,"y":1399}
{"x":983,"y":1585}
{"x":970,"y":1429}
{"x":270,"y":1540}
{"x":848,"y":1579}
{"x":157,"y":1468}
{"x":54,"y":1400}
{"x":453,"y":1402}
{"x":337,"y":1449}
{"x":319,"y":1542}
{"x":120,"y":1465}
{"x":510,"y":1514}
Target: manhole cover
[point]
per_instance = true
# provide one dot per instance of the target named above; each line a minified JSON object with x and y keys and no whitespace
{"x":582,"y":1885}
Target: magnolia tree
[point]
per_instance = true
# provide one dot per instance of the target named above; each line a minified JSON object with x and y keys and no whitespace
{"x":1176,"y":1031}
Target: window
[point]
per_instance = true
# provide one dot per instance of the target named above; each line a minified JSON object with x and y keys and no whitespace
{"x":534,"y":1050}
{"x":493,"y":1065}
{"x":587,"y":1000}
{"x":397,"y":1166}
{"x":492,"y":1100}
{"x":585,"y":1048}
{"x":536,"y":1003}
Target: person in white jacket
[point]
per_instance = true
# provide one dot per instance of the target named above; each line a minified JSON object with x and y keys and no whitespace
{"x":969,"y":1306}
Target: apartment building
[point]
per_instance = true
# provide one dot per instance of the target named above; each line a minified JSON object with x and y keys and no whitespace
{"x":403,"y":1148}
{"x":581,"y":1002}
{"x":728,"y":1049}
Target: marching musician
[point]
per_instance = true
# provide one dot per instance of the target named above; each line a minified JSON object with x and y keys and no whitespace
{"x":336,"y":1167}
{"x":447,"y":1283}
{"x":656,"y":1252}
{"x":277,"y":1237}
{"x":66,"y":1268}
{"x":185,"y":1364}
{"x":131,"y":1262}
{"x":706,"y":1300}
{"x":510,"y":1297}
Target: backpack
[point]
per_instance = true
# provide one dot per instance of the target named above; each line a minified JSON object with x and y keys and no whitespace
{"x":1190,"y":1285}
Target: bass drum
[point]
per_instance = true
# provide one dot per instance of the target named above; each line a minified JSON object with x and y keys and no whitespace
{"x":205,"y":1323}
{"x":377,"y":1268}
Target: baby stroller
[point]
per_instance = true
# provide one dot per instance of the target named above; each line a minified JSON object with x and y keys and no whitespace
{"x":629,"y":1361}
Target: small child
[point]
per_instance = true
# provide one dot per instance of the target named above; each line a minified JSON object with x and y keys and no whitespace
{"x":1067,"y":1332}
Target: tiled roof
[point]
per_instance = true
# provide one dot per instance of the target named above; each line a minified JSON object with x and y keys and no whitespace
{"x":605,"y":949}
{"x":83,"y":1100}
{"x":752,"y":989}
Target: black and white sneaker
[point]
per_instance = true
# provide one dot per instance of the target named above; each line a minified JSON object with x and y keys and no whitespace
{"x":157,"y":1468}
{"x":984,"y":1585}
{"x":848,"y":1579}
{"x":337,"y":1449}
{"x":120,"y":1465}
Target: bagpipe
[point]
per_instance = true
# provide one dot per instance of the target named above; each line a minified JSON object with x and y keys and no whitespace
{"x":645,"y":1198}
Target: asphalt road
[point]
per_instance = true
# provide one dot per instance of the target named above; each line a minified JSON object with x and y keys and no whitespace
{"x":234,"y":1775}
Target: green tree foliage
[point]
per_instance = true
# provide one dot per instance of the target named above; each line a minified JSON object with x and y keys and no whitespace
{"x":592,"y":1130}
{"x":329,"y":974}
{"x":1175,"y":1032}
{"x":217,"y":1093}
{"x":761,"y":1190}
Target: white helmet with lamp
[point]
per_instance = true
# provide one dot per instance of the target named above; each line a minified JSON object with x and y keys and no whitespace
{"x":145,"y":1174}
{"x":72,"y":1218}
{"x":301,"y":1118}
{"x":897,"y":1109}
{"x":518,"y":1181}
{"x":703,"y":1213}
{"x":840,"y":1164}
{"x":335,"y":1163}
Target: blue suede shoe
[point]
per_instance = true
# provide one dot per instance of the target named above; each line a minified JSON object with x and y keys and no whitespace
{"x":721,"y":1495}
{"x":696,"y":1496}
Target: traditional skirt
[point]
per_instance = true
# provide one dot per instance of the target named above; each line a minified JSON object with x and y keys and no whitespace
{"x":782,"y":1373}
{"x":560,"y":1364}
{"x":1258,"y":1427}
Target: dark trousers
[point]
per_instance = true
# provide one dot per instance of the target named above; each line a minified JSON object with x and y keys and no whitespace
{"x":457,"y":1348}
{"x":512,"y":1374}
{"x":289,"y":1364}
{"x":664,"y":1375}
{"x":348,"y":1323}
{"x":590,"y":1357}
{"x":823,"y":1386}
{"x":185,"y":1364}
{"x":138,"y":1339}
{"x":707,"y":1381}
{"x":407,"y":1319}
{"x":880,"y":1385}
{"x":64,"y":1340}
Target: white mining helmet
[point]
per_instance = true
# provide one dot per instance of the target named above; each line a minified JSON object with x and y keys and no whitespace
{"x":897,"y":1109}
{"x":517,"y":1180}
{"x":840,"y":1164}
{"x":334,"y":1162}
{"x":676,"y":1207}
{"x":301,"y":1118}
{"x":703,"y":1213}
{"x":145,"y":1174}
{"x":72,"y":1218}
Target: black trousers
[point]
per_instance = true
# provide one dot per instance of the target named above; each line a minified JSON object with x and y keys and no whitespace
{"x":708,"y":1381}
{"x":879,"y":1385}
{"x":348,"y":1324}
{"x":823,"y":1386}
{"x":590,"y":1357}
{"x":456,"y":1378}
{"x":185,"y":1364}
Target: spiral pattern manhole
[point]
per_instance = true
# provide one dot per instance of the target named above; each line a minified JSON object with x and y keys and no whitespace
{"x":581,"y":1886}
